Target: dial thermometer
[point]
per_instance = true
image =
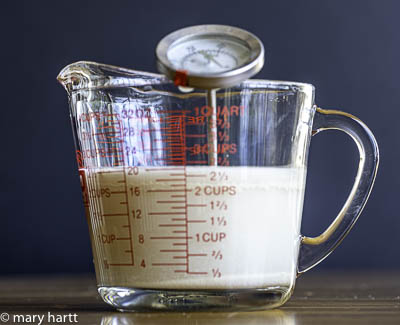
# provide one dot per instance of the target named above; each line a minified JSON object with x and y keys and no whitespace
{"x":210,"y":57}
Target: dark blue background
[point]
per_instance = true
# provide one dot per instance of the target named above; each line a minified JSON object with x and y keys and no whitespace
{"x":348,"y":49}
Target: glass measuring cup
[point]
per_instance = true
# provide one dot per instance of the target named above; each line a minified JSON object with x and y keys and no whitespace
{"x":170,"y":232}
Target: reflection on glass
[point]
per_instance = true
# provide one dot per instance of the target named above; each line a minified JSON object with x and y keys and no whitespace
{"x":271,"y":317}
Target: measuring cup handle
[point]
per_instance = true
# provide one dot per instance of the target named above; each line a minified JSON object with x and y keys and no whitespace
{"x":314,"y":249}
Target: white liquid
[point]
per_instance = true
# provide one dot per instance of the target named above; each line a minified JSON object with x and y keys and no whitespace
{"x":198,"y":227}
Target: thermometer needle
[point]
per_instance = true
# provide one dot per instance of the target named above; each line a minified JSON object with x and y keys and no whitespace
{"x":211,"y":58}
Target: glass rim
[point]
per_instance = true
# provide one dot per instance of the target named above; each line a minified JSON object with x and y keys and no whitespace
{"x":86,"y":75}
{"x":279,"y":84}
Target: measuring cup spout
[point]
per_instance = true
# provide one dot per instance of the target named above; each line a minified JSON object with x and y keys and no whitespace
{"x":77,"y":75}
{"x":91,"y":75}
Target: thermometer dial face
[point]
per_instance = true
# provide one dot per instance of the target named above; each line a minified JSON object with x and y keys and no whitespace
{"x":210,"y":56}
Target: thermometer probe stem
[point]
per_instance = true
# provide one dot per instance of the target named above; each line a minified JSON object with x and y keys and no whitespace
{"x":212,"y":128}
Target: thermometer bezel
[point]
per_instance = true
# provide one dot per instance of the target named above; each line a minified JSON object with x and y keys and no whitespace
{"x":210,"y":80}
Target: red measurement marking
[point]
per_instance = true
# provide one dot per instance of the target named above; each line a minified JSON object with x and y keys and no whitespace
{"x":177,"y":155}
{"x":217,"y":255}
{"x":197,"y":254}
{"x":183,"y":139}
{"x":222,"y":176}
{"x":169,"y":179}
{"x":176,"y":145}
{"x":221,"y":221}
{"x":172,"y":225}
{"x":196,"y":205}
{"x":174,"y":141}
{"x":157,"y":130}
{"x":198,"y":273}
{"x":157,"y":191}
{"x":179,"y":231}
{"x":171,"y":156}
{"x":164,"y":213}
{"x":175,"y":148}
{"x":119,"y":156}
{"x":219,"y":205}
{"x":158,"y":149}
{"x":176,"y":174}
{"x":223,"y":161}
{"x":163,"y":169}
{"x":197,"y":221}
{"x":167,"y":158}
{"x":192,"y":175}
{"x":170,"y":201}
{"x":173,"y":136}
{"x":223,"y":136}
{"x":216,"y":273}
{"x":108,"y":142}
{"x":174,"y":111}
{"x":171,"y":237}
{"x":166,"y":264}
{"x":191,"y":273}
{"x":172,"y":250}
{"x":107,"y":134}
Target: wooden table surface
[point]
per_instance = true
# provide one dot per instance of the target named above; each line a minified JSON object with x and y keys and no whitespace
{"x":362,"y":297}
